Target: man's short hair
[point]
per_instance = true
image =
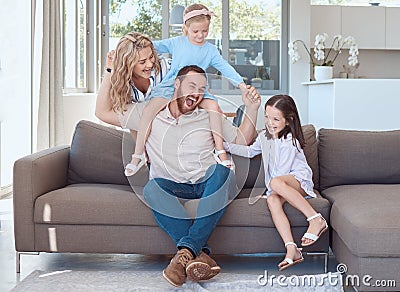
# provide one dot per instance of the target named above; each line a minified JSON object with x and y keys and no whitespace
{"x":185,"y":70}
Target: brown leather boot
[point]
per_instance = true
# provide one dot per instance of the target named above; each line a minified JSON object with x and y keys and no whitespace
{"x":175,"y":272}
{"x":203,"y":267}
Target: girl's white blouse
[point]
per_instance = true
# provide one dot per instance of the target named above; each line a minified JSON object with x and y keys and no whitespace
{"x":280,"y":157}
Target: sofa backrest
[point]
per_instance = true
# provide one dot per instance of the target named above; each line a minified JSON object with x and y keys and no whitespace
{"x":358,"y":157}
{"x":311,"y":151}
{"x":96,"y":155}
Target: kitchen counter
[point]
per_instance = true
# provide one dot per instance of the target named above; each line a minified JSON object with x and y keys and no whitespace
{"x":354,"y":104}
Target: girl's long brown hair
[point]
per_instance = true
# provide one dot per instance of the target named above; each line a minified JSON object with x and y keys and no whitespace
{"x":287,"y":106}
{"x":125,"y":58}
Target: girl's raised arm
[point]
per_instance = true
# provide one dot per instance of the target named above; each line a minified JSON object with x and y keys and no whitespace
{"x":243,"y":150}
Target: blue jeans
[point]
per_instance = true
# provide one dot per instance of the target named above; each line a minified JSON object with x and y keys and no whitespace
{"x":215,"y":191}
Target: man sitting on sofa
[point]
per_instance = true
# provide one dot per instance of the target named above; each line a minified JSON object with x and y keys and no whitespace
{"x":180,"y":149}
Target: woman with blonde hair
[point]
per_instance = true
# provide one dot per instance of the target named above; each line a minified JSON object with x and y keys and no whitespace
{"x":132,"y":70}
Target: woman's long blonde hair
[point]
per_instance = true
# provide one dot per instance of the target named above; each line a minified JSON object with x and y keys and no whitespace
{"x":197,"y":18}
{"x":125,"y":58}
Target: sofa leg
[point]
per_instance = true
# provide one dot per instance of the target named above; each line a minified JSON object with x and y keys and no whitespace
{"x":326,"y":262}
{"x":326,"y":258}
{"x":18,"y":259}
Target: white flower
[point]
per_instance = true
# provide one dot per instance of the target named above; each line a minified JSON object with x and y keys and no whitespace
{"x":349,"y":40}
{"x":295,"y":58}
{"x":293,"y":52}
{"x":320,"y":39}
{"x":353,"y":60}
{"x":353,"y":52}
{"x":327,"y":56}
{"x":319,"y":54}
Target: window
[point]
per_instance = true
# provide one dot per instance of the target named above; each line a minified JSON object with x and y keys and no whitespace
{"x":255,"y":46}
{"x":353,"y":2}
{"x":125,"y":16}
{"x":75,"y":42}
{"x":255,"y":42}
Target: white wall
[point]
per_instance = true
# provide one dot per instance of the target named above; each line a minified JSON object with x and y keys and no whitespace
{"x":299,"y":28}
{"x":15,"y":84}
{"x":77,"y":107}
{"x":374,"y":64}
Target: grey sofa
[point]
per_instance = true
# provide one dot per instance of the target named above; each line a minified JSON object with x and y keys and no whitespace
{"x":359,"y":173}
{"x":76,"y":199}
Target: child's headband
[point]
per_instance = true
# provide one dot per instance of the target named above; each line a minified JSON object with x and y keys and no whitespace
{"x":194,"y":13}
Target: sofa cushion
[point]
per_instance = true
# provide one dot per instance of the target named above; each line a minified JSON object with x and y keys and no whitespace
{"x":311,"y":151}
{"x":106,"y":204}
{"x":98,"y":155}
{"x":358,"y":157}
{"x":367,"y":218}
{"x":93,"y":204}
{"x":249,"y":172}
{"x":241,"y":213}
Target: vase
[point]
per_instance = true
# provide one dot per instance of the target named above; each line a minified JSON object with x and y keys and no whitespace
{"x":323,"y":73}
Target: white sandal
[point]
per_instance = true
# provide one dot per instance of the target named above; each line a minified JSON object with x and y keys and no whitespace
{"x":131,"y":169}
{"x":224,"y":162}
{"x":313,"y":236}
{"x":291,"y":262}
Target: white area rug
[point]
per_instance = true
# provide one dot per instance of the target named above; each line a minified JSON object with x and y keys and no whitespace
{"x":153,"y":281}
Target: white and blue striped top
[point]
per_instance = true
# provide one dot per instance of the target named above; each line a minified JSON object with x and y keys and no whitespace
{"x":137,"y":95}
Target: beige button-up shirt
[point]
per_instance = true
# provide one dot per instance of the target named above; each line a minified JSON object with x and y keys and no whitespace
{"x":180,"y":149}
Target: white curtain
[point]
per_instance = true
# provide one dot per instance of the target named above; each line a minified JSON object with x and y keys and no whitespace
{"x":50,"y":125}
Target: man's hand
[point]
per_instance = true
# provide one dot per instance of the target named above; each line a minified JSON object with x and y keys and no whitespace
{"x":251,"y":98}
{"x":247,"y":130}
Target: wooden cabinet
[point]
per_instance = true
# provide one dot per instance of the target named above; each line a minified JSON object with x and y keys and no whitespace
{"x":366,"y":25}
{"x":372,"y":27}
{"x":325,"y":18}
{"x":392,"y":28}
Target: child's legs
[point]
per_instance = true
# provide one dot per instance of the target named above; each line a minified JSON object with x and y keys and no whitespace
{"x":290,"y":189}
{"x":275,"y":205}
{"x":155,"y":105}
{"x":214,"y":111}
{"x":133,"y":134}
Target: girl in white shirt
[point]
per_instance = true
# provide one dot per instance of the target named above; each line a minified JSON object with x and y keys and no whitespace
{"x":287,"y":175}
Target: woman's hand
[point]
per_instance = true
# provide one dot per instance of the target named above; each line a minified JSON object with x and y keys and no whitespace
{"x":110,"y":59}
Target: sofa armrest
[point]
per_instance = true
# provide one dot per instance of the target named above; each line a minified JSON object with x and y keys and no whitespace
{"x":35,"y":175}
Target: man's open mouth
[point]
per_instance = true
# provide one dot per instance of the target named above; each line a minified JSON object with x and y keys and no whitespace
{"x":190,"y":101}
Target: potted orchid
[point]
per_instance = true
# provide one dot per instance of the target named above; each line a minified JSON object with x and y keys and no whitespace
{"x":324,"y":58}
